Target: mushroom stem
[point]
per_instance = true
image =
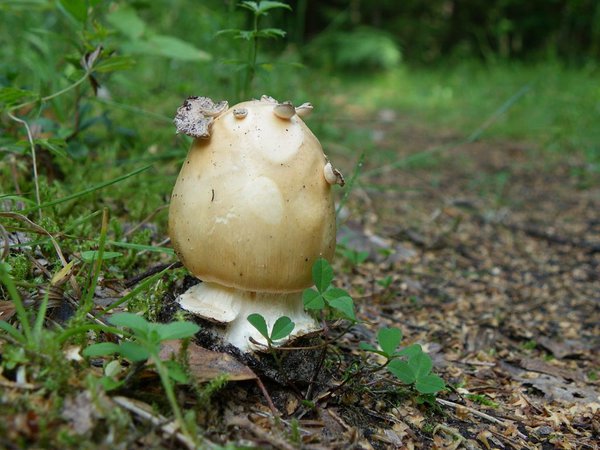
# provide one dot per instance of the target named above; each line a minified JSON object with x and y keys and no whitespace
{"x":231,"y":307}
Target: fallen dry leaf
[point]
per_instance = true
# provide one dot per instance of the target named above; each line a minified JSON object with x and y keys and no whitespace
{"x":206,"y":365}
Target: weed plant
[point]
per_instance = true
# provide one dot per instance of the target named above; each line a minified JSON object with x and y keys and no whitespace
{"x":409,"y":365}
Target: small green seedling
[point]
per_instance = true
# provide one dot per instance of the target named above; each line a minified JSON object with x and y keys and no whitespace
{"x":282,"y":328}
{"x":28,"y":335}
{"x":258,"y":10}
{"x":353,"y":256}
{"x":326,"y":296}
{"x":410,"y":365}
{"x":143,"y":345}
{"x":482,"y":400}
{"x":385,"y":282}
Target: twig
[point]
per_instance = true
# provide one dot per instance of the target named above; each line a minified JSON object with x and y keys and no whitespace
{"x":148,"y":273}
{"x":39,"y":229}
{"x":168,"y":427}
{"x":591,"y":247}
{"x":313,"y":380}
{"x":33,"y":158}
{"x":479,"y":414}
{"x":506,"y":438}
{"x":13,"y":385}
{"x":472,"y":362}
{"x":5,"y":244}
{"x":261,"y":434}
{"x":265,"y":393}
{"x":457,"y":437}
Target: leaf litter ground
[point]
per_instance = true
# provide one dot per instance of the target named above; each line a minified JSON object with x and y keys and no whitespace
{"x":485,"y":253}
{"x":493,"y":252}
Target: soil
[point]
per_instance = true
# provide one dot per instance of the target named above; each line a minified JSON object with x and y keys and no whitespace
{"x":491,"y":251}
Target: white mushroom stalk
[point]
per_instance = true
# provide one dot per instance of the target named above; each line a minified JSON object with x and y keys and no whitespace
{"x":250,"y":213}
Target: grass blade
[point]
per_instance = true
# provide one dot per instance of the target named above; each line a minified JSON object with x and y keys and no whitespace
{"x":7,"y":280}
{"x":350,"y":184}
{"x":12,"y":331}
{"x":41,"y":315}
{"x":87,"y":300}
{"x":141,"y":287}
{"x":87,"y":191}
{"x":148,"y":248}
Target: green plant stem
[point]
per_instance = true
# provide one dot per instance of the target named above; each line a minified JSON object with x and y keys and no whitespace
{"x":18,"y":302}
{"x":358,"y":373}
{"x":273,"y":352}
{"x":39,"y":320}
{"x":65,"y":335}
{"x":350,"y":184}
{"x":142,"y":286}
{"x":33,"y":159}
{"x":87,"y":301}
{"x":87,"y":191}
{"x":56,"y":94}
{"x":163,"y":373}
{"x":252,"y":55}
{"x":63,"y":234}
{"x":472,"y":137}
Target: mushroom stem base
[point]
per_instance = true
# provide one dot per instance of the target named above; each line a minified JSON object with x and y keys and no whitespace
{"x":231,"y":307}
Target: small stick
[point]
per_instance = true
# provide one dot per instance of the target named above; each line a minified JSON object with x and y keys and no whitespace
{"x":478,"y":413}
{"x":261,"y":434}
{"x":471,"y":362}
{"x":5,"y":243}
{"x":41,"y":230}
{"x":148,"y":273}
{"x":168,"y":427}
{"x":11,"y":384}
{"x":265,"y":393}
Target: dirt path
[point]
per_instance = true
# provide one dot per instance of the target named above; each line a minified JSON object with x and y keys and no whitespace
{"x":487,"y":254}
{"x":496,"y":253}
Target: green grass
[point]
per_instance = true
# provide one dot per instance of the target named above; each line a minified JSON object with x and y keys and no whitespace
{"x":546,"y":103}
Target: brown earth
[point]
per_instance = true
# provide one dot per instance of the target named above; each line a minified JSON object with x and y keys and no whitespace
{"x":493,"y":249}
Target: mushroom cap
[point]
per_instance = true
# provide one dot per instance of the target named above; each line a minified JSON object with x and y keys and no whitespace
{"x":251,"y":208}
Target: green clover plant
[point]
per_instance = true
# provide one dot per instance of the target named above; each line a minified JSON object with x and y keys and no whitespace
{"x":326,"y":296}
{"x":282,"y":328}
{"x":143,"y":344}
{"x":410,"y":365}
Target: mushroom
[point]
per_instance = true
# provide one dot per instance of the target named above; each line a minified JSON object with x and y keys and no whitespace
{"x":250,"y":213}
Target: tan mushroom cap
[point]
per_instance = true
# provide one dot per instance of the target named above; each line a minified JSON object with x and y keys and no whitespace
{"x":251,"y":208}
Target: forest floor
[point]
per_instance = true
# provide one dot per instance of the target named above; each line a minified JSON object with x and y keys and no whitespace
{"x":496,"y":269}
{"x":486,"y":253}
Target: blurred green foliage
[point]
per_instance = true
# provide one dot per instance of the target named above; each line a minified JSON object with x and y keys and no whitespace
{"x":441,"y":29}
{"x":363,"y":49}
